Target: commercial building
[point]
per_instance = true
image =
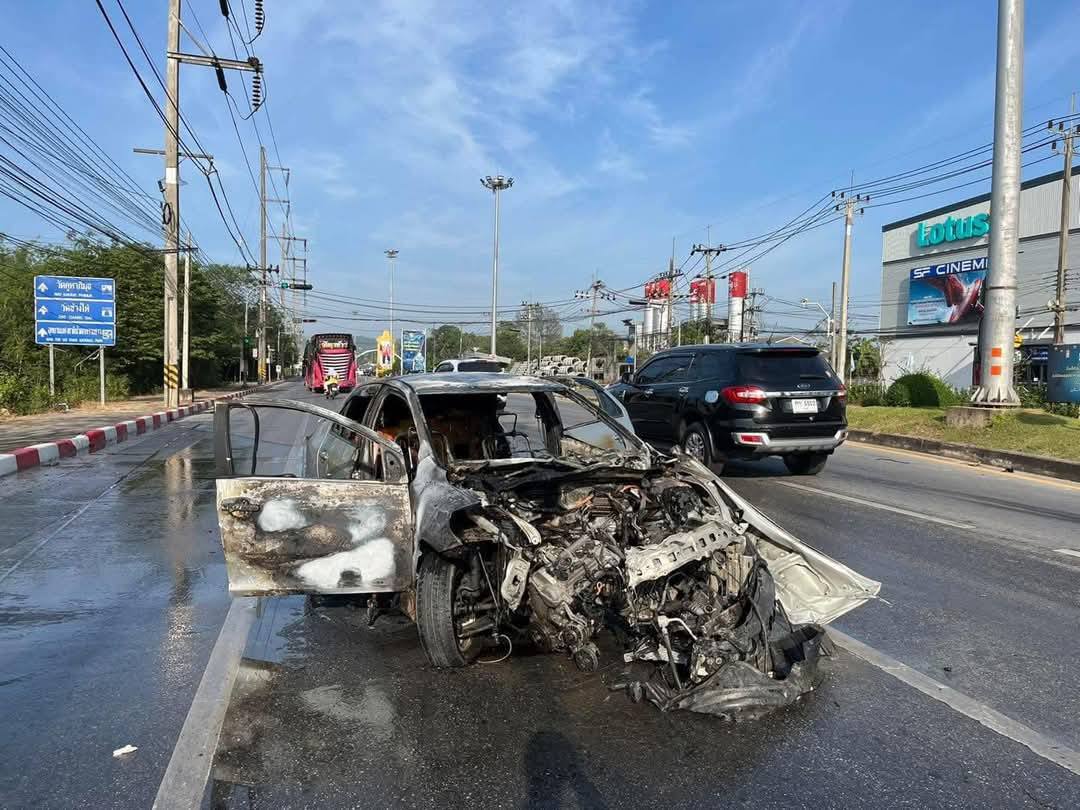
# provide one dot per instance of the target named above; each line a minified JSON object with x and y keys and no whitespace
{"x":934,"y":266}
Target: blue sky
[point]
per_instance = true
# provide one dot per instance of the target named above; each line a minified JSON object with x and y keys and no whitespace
{"x":624,"y":125}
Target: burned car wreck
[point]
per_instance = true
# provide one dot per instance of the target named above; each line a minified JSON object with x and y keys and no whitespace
{"x":501,"y":510}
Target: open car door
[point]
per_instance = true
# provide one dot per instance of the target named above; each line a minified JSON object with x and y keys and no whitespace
{"x":309,"y":501}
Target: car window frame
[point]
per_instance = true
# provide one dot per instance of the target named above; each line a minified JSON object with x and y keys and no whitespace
{"x":223,"y":452}
{"x":687,"y":376}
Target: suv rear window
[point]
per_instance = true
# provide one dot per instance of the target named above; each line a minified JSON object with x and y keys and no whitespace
{"x":479,"y":365}
{"x":782,"y":366}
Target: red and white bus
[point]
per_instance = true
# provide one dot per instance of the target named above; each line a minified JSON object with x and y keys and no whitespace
{"x":324,"y":353}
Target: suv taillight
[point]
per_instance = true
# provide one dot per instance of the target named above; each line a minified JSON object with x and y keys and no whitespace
{"x":744,"y":394}
{"x":842,"y":393}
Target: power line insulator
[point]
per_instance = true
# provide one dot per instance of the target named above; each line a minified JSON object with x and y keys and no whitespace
{"x":256,"y":91}
{"x":224,"y":8}
{"x":260,"y":15}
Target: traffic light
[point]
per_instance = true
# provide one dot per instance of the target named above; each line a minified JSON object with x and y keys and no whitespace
{"x":285,"y":285}
{"x":247,"y":341}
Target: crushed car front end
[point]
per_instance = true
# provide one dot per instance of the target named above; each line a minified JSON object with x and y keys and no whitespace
{"x":714,"y":607}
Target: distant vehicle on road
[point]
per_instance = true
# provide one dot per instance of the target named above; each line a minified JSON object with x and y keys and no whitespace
{"x":330,"y":352}
{"x":486,"y":362}
{"x":740,"y":401}
{"x":505,"y":511}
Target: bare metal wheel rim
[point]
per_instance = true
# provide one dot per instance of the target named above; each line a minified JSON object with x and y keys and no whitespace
{"x":694,"y":445}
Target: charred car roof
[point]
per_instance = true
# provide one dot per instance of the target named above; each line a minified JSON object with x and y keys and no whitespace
{"x":474,"y":382}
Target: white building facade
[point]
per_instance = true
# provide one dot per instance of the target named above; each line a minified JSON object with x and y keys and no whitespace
{"x":934,"y":266}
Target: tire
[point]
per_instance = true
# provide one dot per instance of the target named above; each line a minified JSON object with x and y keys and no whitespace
{"x":806,"y":463}
{"x":435,"y":593}
{"x":695,"y":443}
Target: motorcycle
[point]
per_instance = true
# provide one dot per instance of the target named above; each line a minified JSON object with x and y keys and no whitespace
{"x":331,"y":388}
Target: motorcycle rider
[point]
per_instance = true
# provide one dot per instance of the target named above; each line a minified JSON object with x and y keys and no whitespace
{"x":331,"y":385}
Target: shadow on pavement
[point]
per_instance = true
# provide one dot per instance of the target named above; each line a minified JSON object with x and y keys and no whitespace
{"x":772,"y":467}
{"x":554,"y":765}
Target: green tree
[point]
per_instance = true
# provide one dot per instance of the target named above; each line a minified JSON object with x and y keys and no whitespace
{"x":866,"y":352}
{"x":134,"y":364}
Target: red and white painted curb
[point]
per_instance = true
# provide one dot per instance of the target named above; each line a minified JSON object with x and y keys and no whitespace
{"x":97,"y":439}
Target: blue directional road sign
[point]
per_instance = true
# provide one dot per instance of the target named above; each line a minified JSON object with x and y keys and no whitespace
{"x":79,"y":311}
{"x":70,"y":310}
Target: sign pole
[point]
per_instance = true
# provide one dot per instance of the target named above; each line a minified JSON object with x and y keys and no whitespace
{"x":52,"y":373}
{"x":101,"y":368}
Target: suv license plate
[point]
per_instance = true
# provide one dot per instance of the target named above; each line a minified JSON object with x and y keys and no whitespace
{"x":804,"y":406}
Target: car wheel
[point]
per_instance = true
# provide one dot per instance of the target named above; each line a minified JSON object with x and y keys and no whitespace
{"x":439,"y":618}
{"x":806,"y":463}
{"x":695,"y":443}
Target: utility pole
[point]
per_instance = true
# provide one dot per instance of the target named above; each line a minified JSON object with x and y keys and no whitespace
{"x":528,"y":340}
{"x":495,"y":185}
{"x":297,"y":327}
{"x":171,"y":185}
{"x":171,"y":214}
{"x":670,"y":296}
{"x":1058,"y":304}
{"x":998,"y":327}
{"x":595,"y":289}
{"x":187,"y":315}
{"x":392,"y":256}
{"x":264,"y":297}
{"x":263,"y":293}
{"x":243,"y":345}
{"x":709,"y":252}
{"x":849,"y":203}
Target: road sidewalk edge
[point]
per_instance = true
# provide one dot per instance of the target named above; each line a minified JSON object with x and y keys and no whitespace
{"x":1004,"y":459}
{"x":95,"y":439}
{"x":185,"y":777}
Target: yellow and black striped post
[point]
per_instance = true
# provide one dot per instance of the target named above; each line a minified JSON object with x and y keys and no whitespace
{"x":172,"y":384}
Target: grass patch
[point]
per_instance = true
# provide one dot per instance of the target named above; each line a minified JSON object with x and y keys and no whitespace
{"x":1021,"y":430}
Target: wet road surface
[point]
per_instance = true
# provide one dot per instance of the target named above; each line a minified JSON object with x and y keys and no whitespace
{"x":112,"y":592}
{"x":987,"y":610}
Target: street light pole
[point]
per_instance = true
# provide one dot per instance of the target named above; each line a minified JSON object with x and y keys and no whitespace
{"x":495,"y":185}
{"x":392,"y":256}
{"x":828,"y":324}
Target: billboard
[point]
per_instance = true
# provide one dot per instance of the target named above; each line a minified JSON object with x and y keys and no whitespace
{"x":661,"y":288}
{"x":384,"y":356}
{"x":948,"y":293}
{"x":1063,"y":384}
{"x":703,"y":291}
{"x":413,"y":351}
{"x":737,"y":283}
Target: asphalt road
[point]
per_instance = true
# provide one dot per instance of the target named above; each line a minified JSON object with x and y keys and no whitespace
{"x":112,"y":593}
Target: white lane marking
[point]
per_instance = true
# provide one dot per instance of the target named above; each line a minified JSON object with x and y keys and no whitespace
{"x":994,"y":720}
{"x":1069,"y":551}
{"x":189,"y":767}
{"x":875,"y":505}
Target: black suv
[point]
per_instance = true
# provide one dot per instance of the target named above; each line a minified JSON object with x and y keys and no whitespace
{"x":740,"y":401}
